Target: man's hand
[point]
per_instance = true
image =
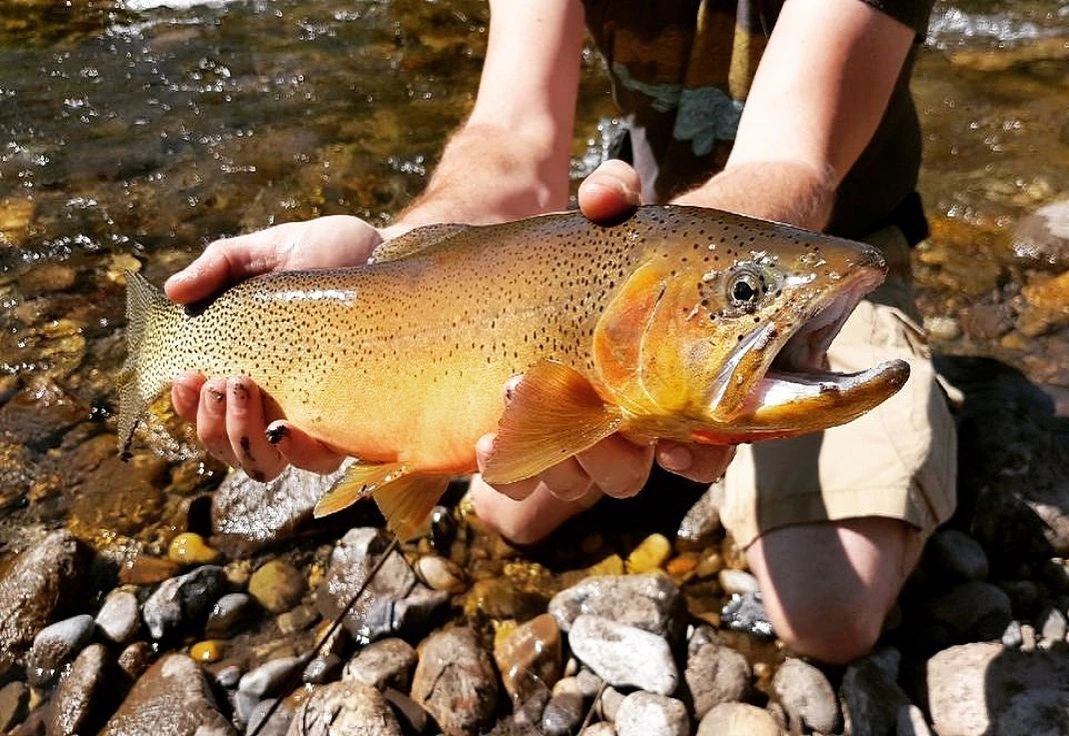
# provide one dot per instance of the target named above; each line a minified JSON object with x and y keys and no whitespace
{"x":615,"y":466}
{"x":232,"y":416}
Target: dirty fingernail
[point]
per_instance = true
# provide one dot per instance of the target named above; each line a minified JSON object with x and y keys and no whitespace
{"x":276,"y":433}
{"x":676,"y":458}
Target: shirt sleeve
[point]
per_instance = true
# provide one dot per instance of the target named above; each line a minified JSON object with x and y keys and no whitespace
{"x":913,"y":13}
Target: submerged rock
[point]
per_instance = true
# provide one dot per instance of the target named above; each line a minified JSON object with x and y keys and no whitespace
{"x":455,"y":682}
{"x":381,"y":664}
{"x":623,"y":655}
{"x":56,"y":645}
{"x":178,"y":602}
{"x":344,"y":708}
{"x":277,"y":585}
{"x":120,"y":617}
{"x":529,"y":658}
{"x":84,"y":698}
{"x":1042,"y":238}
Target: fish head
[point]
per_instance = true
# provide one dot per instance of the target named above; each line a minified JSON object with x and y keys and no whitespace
{"x":730,"y":334}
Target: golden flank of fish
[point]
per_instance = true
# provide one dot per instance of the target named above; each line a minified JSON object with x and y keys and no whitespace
{"x":681,"y":323}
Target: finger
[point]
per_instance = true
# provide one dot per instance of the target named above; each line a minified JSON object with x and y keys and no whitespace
{"x":245,"y":427}
{"x":222,"y":263}
{"x":301,"y":450}
{"x":703,"y":463}
{"x":618,"y":467}
{"x":566,"y":480}
{"x":211,"y":421}
{"x":185,"y":395}
{"x":611,"y":192}
{"x":527,"y":521}
{"x":516,"y":491}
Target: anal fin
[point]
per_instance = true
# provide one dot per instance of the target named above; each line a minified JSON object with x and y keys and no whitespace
{"x":554,"y":413}
{"x":359,"y":482}
{"x":407,"y":502}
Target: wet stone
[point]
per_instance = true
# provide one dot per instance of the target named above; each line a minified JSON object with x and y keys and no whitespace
{"x":207,"y":652}
{"x":738,"y":719}
{"x":323,"y":669}
{"x":455,"y":682}
{"x":651,"y":602}
{"x":180,"y":601}
{"x":702,"y":521}
{"x":173,"y":698}
{"x":228,"y":677}
{"x":747,"y":613}
{"x":441,"y":574}
{"x":413,"y":719}
{"x":345,"y":708}
{"x":278,"y":586}
{"x":609,"y":703}
{"x":954,"y":554}
{"x":529,"y":658}
{"x":381,"y":664}
{"x":1052,"y":625}
{"x":229,"y":615}
{"x":642,"y":713}
{"x":651,"y":554}
{"x":56,"y":645}
{"x":297,"y":619}
{"x":280,"y":721}
{"x":32,"y":592}
{"x":267,"y":679}
{"x":395,"y":602}
{"x":624,"y":656}
{"x":189,"y":548}
{"x":716,"y":674}
{"x":147,"y":570}
{"x":588,"y":683}
{"x":120,"y":617}
{"x":563,"y":714}
{"x":14,"y":705}
{"x":806,"y":696}
{"x":1042,"y":238}
{"x":135,"y":659}
{"x":82,"y":699}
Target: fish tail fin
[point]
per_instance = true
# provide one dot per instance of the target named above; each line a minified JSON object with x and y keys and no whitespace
{"x":150,"y":319}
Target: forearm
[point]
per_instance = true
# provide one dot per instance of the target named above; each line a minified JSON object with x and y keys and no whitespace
{"x":784,"y":191}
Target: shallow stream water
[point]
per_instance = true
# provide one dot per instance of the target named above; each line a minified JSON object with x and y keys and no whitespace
{"x":132,"y":135}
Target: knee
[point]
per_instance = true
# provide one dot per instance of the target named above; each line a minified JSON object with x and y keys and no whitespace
{"x":830,"y":631}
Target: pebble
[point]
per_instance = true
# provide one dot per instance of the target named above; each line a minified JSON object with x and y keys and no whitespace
{"x":954,"y":554}
{"x":737,"y":582}
{"x":609,"y":703}
{"x":588,"y":683}
{"x":563,"y":714}
{"x":14,"y":705}
{"x":279,"y":724}
{"x":529,"y":658}
{"x":343,"y":708}
{"x":277,"y":586}
{"x":147,"y":570}
{"x":443,"y":529}
{"x":207,"y":652}
{"x":83,"y":696}
{"x":716,"y":674}
{"x":911,"y":722}
{"x":942,"y":328}
{"x":120,"y":617}
{"x":381,"y":664}
{"x":1039,"y":712}
{"x":709,"y":565}
{"x":643,"y":714}
{"x":624,"y":655}
{"x":297,"y":619}
{"x":683,"y":566}
{"x":1028,"y":638}
{"x":267,"y":679}
{"x":1041,"y":239}
{"x":651,"y":602}
{"x":806,"y":696}
{"x":228,"y":677}
{"x":602,"y":728}
{"x":135,"y":659}
{"x":870,"y":694}
{"x":747,"y":613}
{"x":394,"y":603}
{"x":972,"y":610}
{"x":172,"y":698}
{"x":1011,"y":637}
{"x":413,"y":719}
{"x":56,"y":645}
{"x":702,"y":521}
{"x":650,"y":554}
{"x":178,"y":602}
{"x":455,"y":681}
{"x":190,"y":548}
{"x":738,"y":719}
{"x":229,"y":615}
{"x":441,"y":574}
{"x":324,"y":668}
{"x":1052,"y":625}
{"x":33,"y":590}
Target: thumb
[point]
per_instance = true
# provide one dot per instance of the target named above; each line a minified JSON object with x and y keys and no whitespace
{"x":611,"y":192}
{"x":222,"y":263}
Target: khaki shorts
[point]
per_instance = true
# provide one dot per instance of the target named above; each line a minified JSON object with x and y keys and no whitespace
{"x":898,"y":461}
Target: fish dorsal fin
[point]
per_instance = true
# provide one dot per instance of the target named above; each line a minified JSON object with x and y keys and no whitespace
{"x":407,"y":502}
{"x":359,"y":481}
{"x":414,"y":241}
{"x":554,"y":413}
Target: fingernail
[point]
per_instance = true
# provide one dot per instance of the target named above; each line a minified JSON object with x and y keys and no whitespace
{"x":676,"y":458}
{"x":216,"y":397}
{"x":239,"y":393}
{"x":185,"y":393}
{"x":276,"y":433}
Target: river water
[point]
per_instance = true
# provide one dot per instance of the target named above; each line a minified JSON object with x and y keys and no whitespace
{"x":132,"y":135}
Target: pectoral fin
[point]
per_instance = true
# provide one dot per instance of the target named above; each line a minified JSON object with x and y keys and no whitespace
{"x":414,"y":241}
{"x":554,"y":413}
{"x":407,"y":502}
{"x":359,"y":481}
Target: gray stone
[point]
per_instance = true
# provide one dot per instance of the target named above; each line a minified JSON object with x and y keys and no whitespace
{"x":267,"y":679}
{"x":394,"y":603}
{"x":1041,"y":239}
{"x":1052,"y":625}
{"x":413,"y":719}
{"x":56,"y":645}
{"x":84,"y":699}
{"x":279,"y":724}
{"x":954,"y":554}
{"x":345,"y":709}
{"x":609,"y":703}
{"x":737,"y":582}
{"x":972,"y":610}
{"x":135,"y":659}
{"x":624,"y":656}
{"x":563,"y":714}
{"x":644,"y":714}
{"x":651,"y":602}
{"x":229,"y":615}
{"x":806,"y":696}
{"x":455,"y":681}
{"x":746,"y":613}
{"x":229,"y":677}
{"x":911,"y":722}
{"x":588,"y":683}
{"x":120,"y":617}
{"x":173,"y":698}
{"x":33,"y":591}
{"x":738,"y":719}
{"x":323,"y":669}
{"x":14,"y":705}
{"x":180,"y":601}
{"x":1012,"y":637}
{"x":702,"y":521}
{"x":381,"y":664}
{"x":871,"y":696}
{"x":1035,"y":713}
{"x":716,"y":674}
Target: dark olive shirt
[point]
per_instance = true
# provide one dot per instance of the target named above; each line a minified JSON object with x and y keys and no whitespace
{"x":681,"y":71}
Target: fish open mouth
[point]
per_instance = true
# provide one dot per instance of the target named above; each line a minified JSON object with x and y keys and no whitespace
{"x":798,"y":391}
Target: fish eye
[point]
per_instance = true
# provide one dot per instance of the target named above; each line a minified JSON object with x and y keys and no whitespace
{"x":744,"y":287}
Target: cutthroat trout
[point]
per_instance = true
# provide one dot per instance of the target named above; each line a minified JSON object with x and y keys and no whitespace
{"x":681,"y":323}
